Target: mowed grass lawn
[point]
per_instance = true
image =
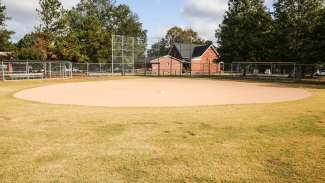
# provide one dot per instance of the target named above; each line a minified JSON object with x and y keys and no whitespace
{"x":281,"y":142}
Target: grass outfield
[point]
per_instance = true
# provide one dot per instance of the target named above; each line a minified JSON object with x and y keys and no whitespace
{"x":280,"y":142}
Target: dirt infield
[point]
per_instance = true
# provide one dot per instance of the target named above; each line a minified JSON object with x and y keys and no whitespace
{"x":161,"y":93}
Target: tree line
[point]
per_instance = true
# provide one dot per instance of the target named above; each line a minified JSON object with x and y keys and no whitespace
{"x":81,"y":34}
{"x":175,"y":35}
{"x":293,"y":31}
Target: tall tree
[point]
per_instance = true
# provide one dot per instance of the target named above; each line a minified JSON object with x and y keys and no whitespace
{"x":179,"y":35}
{"x":33,"y":46}
{"x":91,"y":25}
{"x":5,"y":44}
{"x":296,"y":23}
{"x":316,"y":52}
{"x":52,"y":27}
{"x":159,"y":48}
{"x":51,"y":12}
{"x":175,"y":35}
{"x":245,"y":32}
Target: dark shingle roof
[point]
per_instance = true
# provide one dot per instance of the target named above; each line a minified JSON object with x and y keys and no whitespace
{"x":187,"y":51}
{"x":198,"y":51}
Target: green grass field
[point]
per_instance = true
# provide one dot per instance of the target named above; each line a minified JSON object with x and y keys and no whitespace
{"x":280,"y":142}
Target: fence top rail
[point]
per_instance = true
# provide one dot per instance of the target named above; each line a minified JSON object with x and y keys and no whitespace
{"x":33,"y":61}
{"x":264,"y":63}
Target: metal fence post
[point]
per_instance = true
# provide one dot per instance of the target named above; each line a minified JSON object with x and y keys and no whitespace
{"x":45,"y":70}
{"x":60,"y":70}
{"x":180,"y":69}
{"x":209,"y":69}
{"x":50,"y":69}
{"x":27,"y":70}
{"x":123,"y":66}
{"x":3,"y":71}
{"x":171,"y":67}
{"x":112,"y":55}
{"x":145,"y":66}
{"x":294,"y":71}
{"x":87,"y":69}
{"x":133,"y":55}
{"x":71,"y":68}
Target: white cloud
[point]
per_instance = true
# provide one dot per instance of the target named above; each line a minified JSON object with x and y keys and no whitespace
{"x":24,"y":16}
{"x":204,"y":16}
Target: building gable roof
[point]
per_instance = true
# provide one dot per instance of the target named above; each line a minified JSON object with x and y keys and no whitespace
{"x":198,"y":51}
{"x":187,"y":51}
{"x":157,"y":60}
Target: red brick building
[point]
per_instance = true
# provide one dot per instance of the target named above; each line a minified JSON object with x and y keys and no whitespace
{"x":167,"y":65}
{"x":185,"y":58}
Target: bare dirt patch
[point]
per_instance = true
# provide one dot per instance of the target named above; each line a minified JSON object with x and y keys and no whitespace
{"x":161,"y":93}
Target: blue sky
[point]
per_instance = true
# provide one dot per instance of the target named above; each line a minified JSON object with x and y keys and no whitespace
{"x":157,"y":15}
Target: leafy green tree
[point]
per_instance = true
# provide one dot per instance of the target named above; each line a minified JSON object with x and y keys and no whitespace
{"x":297,"y":27}
{"x":179,"y":35}
{"x":28,"y":41}
{"x":159,"y":48}
{"x":82,"y":34}
{"x":175,"y":35}
{"x":87,"y":39}
{"x":5,"y":44}
{"x":36,"y":45}
{"x":50,"y":13}
{"x":125,"y":22}
{"x":317,"y":52}
{"x":3,"y":16}
{"x":31,"y":54}
{"x":91,"y":25}
{"x":244,"y":34}
{"x":51,"y":29}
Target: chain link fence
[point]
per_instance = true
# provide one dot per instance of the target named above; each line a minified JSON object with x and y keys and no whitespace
{"x":20,"y":70}
{"x":102,"y":69}
{"x":238,"y":70}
